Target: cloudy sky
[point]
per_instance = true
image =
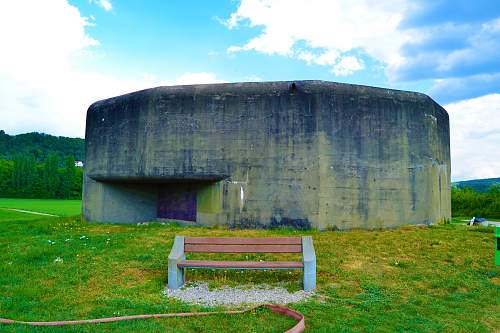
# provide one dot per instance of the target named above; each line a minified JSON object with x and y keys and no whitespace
{"x":59,"y":56}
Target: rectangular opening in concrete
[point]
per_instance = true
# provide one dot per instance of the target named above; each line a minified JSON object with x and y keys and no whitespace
{"x":142,"y":199}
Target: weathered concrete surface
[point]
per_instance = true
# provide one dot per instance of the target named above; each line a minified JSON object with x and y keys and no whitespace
{"x":302,"y":154}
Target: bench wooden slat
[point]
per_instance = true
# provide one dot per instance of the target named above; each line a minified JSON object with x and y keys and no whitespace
{"x":244,"y":240}
{"x":242,"y":248}
{"x":241,"y":264}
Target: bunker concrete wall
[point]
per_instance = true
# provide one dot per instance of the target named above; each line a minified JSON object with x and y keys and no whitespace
{"x":301,"y":154}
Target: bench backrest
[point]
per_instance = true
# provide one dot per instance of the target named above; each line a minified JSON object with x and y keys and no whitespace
{"x":243,"y":245}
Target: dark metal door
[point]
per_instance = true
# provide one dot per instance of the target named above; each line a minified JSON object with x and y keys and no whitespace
{"x":177,"y":202}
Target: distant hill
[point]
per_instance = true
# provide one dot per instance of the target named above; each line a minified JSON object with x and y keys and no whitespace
{"x":40,"y":145}
{"x":479,"y":185}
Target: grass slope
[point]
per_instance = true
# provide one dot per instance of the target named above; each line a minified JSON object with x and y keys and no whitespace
{"x":49,"y":206}
{"x":411,"y":279}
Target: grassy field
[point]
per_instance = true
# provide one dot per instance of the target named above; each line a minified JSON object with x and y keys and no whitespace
{"x":412,"y":279}
{"x":49,"y":206}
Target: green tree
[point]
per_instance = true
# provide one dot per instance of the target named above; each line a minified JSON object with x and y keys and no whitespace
{"x":24,"y":175}
{"x":68,"y":177}
{"x":77,"y":184}
{"x":6,"y":172}
{"x":51,"y":178}
{"x":468,"y":202}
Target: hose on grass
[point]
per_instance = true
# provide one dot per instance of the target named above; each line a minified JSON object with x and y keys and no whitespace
{"x":278,"y":309}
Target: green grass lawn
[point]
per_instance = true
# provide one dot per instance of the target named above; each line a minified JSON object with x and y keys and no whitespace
{"x":411,"y":279}
{"x":49,"y":206}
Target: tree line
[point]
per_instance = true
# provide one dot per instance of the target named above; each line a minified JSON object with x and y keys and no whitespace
{"x":468,"y":202}
{"x":40,"y":146}
{"x":24,"y":177}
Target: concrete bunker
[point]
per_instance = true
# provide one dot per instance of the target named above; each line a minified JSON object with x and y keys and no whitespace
{"x":299,"y":154}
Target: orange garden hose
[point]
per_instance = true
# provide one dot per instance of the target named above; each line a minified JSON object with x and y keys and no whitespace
{"x":279,"y":309}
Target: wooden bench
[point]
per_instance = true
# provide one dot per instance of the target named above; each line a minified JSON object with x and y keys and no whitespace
{"x":177,"y":258}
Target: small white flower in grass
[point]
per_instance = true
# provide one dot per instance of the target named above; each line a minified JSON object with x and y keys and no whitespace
{"x":58,"y":259}
{"x":51,"y":242}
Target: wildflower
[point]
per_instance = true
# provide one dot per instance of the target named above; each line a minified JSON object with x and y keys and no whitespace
{"x":58,"y":259}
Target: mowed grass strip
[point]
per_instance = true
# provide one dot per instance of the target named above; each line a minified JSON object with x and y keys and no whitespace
{"x":48,"y":206}
{"x":411,"y":279}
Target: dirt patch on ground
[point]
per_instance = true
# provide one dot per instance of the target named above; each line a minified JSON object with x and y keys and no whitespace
{"x":495,"y":280}
{"x":132,"y":276}
{"x":92,"y":289}
{"x":353,"y":264}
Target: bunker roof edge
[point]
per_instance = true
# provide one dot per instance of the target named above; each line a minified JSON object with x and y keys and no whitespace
{"x":306,"y":86}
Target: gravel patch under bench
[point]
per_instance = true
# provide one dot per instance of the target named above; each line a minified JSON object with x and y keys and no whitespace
{"x":199,"y":293}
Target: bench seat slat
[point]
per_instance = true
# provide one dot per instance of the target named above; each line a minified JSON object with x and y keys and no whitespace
{"x":244,"y":240}
{"x":241,"y":264}
{"x":242,"y":248}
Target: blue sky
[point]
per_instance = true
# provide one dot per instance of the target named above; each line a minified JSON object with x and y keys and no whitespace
{"x":61,"y":55}
{"x":168,"y":39}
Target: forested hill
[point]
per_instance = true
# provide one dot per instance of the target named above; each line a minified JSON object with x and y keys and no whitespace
{"x":37,"y":165}
{"x":480,"y":185}
{"x":40,"y":146}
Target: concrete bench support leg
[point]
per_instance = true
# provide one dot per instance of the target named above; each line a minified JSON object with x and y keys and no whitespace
{"x":309,"y":258}
{"x":175,"y":273}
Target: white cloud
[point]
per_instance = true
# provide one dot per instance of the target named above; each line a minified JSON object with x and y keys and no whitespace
{"x":450,"y":50}
{"x":330,"y":30}
{"x":104,"y":4}
{"x":347,"y":66}
{"x":41,"y":86}
{"x":475,"y":137}
{"x":467,"y":87}
{"x":411,"y":39}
